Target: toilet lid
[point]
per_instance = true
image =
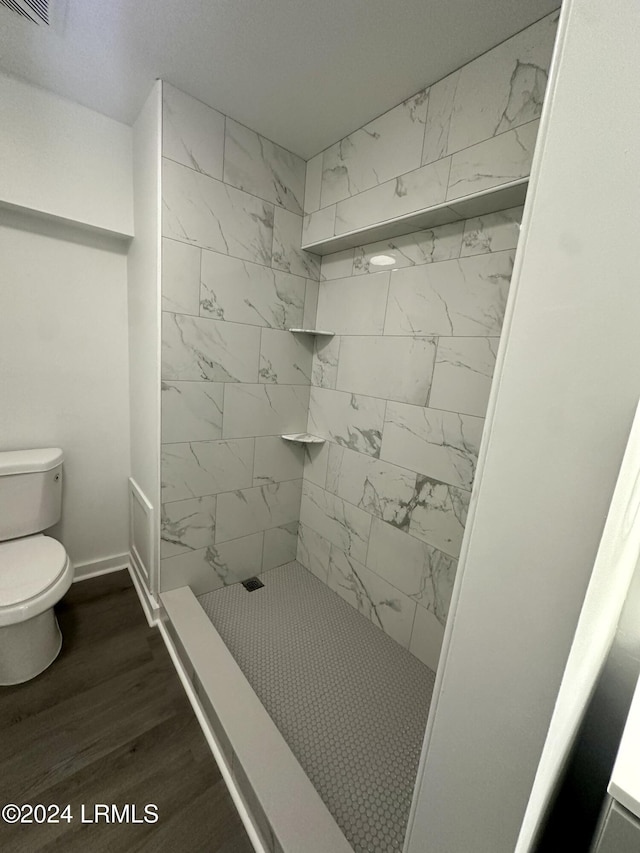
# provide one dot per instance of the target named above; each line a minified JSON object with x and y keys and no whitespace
{"x":28,"y":567}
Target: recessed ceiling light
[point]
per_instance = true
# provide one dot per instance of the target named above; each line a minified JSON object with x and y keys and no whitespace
{"x":382,"y":260}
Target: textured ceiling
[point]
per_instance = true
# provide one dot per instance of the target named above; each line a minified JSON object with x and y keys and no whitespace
{"x":302,"y":73}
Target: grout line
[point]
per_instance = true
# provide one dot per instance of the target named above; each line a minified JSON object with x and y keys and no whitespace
{"x":423,"y":166}
{"x":386,"y":307}
{"x":353,"y":249}
{"x":253,"y":462}
{"x":416,"y":475}
{"x":448,"y":185}
{"x":426,"y":121}
{"x":373,"y":571}
{"x":224,"y":148}
{"x":224,"y":183}
{"x":253,"y":262}
{"x":413,"y":624}
{"x":230,"y":492}
{"x":389,"y":400}
{"x":405,"y":532}
{"x":200,"y":283}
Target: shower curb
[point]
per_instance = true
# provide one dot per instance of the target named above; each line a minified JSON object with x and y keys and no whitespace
{"x":282,"y":802}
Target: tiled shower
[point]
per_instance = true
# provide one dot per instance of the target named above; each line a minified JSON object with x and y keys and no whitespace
{"x":321,"y":415}
{"x":399,"y":392}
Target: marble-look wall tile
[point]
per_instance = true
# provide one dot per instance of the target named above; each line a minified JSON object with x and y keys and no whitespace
{"x":197,"y":348}
{"x":214,"y":567}
{"x":372,"y":596}
{"x":319,"y":225}
{"x":285,"y":358}
{"x":180,"y":277}
{"x":462,"y":375}
{"x":187,"y":525}
{"x":389,"y":145}
{"x":441,"y":100}
{"x":264,"y":409}
{"x":287,"y":240}
{"x":466,"y":297}
{"x":407,"y":193}
{"x":337,"y":265}
{"x":339,"y":522}
{"x":438,"y":514}
{"x":382,"y":489}
{"x":242,"y":292}
{"x":192,"y":132}
{"x":493,"y":232}
{"x":497,"y":92}
{"x":347,"y":419}
{"x":191,"y":411}
{"x":395,"y":368}
{"x":280,"y":546}
{"x":428,"y":509}
{"x":315,"y":463}
{"x":421,"y":572}
{"x":200,"y":210}
{"x":496,"y":161}
{"x":277,"y":460}
{"x":441,"y":445}
{"x":421,"y":247}
{"x":310,"y":305}
{"x":313,"y":183}
{"x":260,"y":167}
{"x":247,"y":511}
{"x":313,"y":552}
{"x":354,"y":306}
{"x":324,"y":369}
{"x":426,"y":638}
{"x":199,"y":468}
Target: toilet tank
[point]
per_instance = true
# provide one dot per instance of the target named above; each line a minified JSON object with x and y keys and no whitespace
{"x":30,"y":491}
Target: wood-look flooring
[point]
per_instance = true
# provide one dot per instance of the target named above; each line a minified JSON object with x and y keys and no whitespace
{"x":108,"y":722}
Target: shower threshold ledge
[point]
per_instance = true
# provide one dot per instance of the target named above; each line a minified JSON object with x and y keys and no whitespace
{"x":319,"y":714}
{"x":289,"y":816}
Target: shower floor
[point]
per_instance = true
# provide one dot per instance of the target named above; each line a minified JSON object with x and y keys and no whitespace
{"x":351,"y":703}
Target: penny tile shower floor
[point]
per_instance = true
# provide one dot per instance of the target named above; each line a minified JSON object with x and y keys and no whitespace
{"x":351,"y":703}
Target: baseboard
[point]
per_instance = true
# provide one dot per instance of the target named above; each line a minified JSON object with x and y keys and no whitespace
{"x":149,"y":605}
{"x":95,"y":568}
{"x":214,"y":746}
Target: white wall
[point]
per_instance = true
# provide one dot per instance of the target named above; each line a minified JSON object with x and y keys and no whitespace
{"x":60,"y":158}
{"x":566,"y":389}
{"x":63,"y":305}
{"x":63,"y":373}
{"x":143,"y":266}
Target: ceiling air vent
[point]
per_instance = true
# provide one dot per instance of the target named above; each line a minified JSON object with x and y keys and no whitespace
{"x":34,"y":10}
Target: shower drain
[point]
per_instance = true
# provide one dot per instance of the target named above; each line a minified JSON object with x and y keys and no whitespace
{"x":252,"y":583}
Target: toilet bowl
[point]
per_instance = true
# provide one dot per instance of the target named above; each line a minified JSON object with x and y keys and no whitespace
{"x":35,"y":571}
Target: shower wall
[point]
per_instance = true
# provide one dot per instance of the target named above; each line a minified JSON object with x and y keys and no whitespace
{"x":472,"y":130}
{"x":233,"y":379}
{"x":400,"y":393}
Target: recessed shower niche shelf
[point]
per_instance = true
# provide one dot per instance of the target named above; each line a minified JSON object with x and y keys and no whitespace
{"x":303,"y":438}
{"x":319,"y":332}
{"x":490,"y":200}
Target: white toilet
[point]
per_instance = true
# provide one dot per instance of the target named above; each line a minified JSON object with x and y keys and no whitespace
{"x":35,"y":571}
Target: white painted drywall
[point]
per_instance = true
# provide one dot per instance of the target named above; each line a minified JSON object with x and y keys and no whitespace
{"x":566,"y":387}
{"x":63,"y":372}
{"x":144,"y":309}
{"x":60,"y":158}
